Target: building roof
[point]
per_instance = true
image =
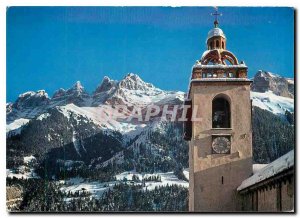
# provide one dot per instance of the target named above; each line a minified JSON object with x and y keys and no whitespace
{"x":279,"y":165}
{"x":215,"y":32}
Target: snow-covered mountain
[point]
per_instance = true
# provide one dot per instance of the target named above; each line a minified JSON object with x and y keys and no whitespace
{"x":266,"y":81}
{"x":71,"y":126}
{"x":130,"y":91}
{"x":273,"y":93}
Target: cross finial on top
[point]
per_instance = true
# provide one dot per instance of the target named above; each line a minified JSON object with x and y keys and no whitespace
{"x":216,"y":14}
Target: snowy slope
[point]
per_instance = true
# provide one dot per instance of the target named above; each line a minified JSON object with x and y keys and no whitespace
{"x":15,"y":127}
{"x":271,"y":102}
{"x":100,"y":115}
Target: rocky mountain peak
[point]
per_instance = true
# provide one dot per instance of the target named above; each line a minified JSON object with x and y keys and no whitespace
{"x":76,"y":95}
{"x":78,"y":85}
{"x":106,"y":85}
{"x":59,"y":93}
{"x":133,"y":82}
{"x":266,"y":74}
{"x":267,"y":81}
{"x":77,"y":88}
{"x":32,"y":99}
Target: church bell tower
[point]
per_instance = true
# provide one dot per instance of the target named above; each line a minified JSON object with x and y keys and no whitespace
{"x":220,"y":140}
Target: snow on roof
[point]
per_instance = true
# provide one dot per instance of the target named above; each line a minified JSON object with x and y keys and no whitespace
{"x":215,"y":32}
{"x":220,"y":79}
{"x":279,"y":165}
{"x":258,"y":167}
{"x":221,"y":66}
{"x":204,"y":53}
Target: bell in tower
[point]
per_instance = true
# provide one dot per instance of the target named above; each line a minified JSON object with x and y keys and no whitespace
{"x":220,"y":142}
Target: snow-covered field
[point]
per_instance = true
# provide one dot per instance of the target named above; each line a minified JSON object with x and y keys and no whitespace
{"x":25,"y":171}
{"x":21,"y":172}
{"x":97,"y":188}
{"x":166,"y":178}
{"x":79,"y":184}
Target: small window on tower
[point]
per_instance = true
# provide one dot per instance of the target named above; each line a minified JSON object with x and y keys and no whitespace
{"x":217,"y":44}
{"x":215,"y":75}
{"x":224,"y":75}
{"x":210,"y":45}
{"x":223,"y":45}
{"x":230,"y":75}
{"x":209,"y":75}
{"x":203,"y":75}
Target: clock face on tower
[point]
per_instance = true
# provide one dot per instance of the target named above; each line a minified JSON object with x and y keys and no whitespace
{"x":221,"y":145}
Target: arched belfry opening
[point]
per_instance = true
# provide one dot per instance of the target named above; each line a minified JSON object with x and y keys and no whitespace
{"x":221,"y":113}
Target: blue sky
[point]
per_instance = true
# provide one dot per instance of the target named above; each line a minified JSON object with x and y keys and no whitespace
{"x":53,"y":47}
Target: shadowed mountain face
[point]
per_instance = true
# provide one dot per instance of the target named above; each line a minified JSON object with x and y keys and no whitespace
{"x":66,"y":132}
{"x":266,"y":81}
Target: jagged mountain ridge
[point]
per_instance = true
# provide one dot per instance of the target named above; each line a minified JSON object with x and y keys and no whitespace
{"x":132,"y":90}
